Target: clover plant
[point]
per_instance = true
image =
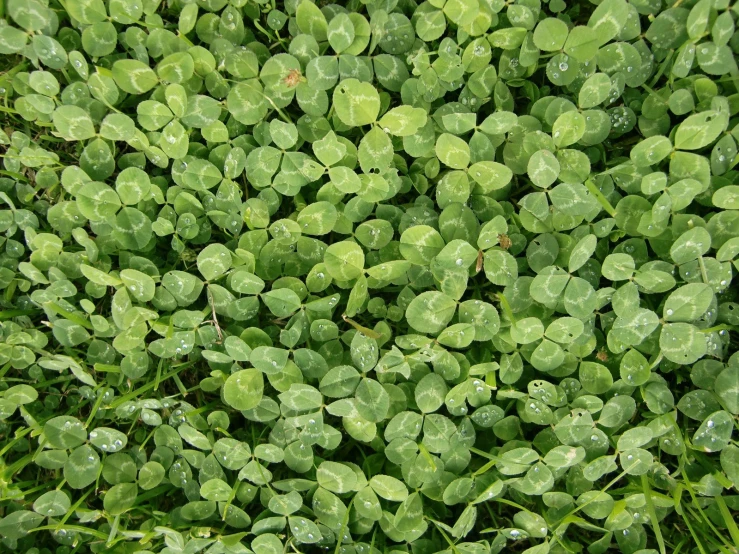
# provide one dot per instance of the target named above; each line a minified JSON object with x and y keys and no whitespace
{"x":369,"y":276}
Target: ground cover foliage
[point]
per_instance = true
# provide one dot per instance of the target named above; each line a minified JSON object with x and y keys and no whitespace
{"x":368,"y":277}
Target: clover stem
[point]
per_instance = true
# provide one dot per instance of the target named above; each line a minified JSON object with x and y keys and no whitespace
{"x":702,"y":265}
{"x":600,"y":198}
{"x":215,"y":318}
{"x":722,"y":327}
{"x":344,"y":523}
{"x":279,"y":110}
{"x":506,"y":307}
{"x":664,"y":65}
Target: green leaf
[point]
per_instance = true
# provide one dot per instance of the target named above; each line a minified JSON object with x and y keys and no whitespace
{"x":582,"y":43}
{"x":595,"y":378}
{"x":635,"y":368}
{"x":372,"y":400}
{"x":568,"y":129}
{"x":340,"y":32}
{"x":389,"y":488}
{"x":375,"y":153}
{"x":430,"y":312}
{"x":550,"y":34}
{"x":336,"y":477}
{"x":688,"y":303}
{"x":64,"y":432}
{"x":246,"y":102}
{"x":73,"y":123}
{"x":214,"y":261}
{"x":690,"y":245}
{"x":243,"y":389}
{"x":607,"y":20}
{"x":344,"y":260}
{"x":356,"y":103}
{"x":82,"y":466}
{"x":682,"y":343}
{"x":714,"y":433}
{"x":403,"y":121}
{"x":543,"y":168}
{"x":651,"y":151}
{"x":282,"y":302}
{"x":594,"y":91}
{"x":452,"y":151}
{"x":311,"y":21}
{"x":52,"y":504}
{"x":120,"y":498}
{"x":133,"y":76}
{"x":699,"y":130}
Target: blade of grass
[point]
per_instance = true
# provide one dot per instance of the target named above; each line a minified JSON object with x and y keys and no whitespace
{"x":653,"y":514}
{"x":728,"y":519}
{"x":689,"y":487}
{"x":695,"y":537}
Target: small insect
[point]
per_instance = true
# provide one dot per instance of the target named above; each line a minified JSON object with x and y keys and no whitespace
{"x":602,"y":355}
{"x":504,"y":241}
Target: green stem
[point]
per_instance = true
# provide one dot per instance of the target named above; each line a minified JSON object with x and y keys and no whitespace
{"x":506,"y":307}
{"x":600,"y":198}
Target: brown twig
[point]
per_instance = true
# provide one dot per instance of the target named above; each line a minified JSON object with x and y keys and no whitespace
{"x":214,"y":321}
